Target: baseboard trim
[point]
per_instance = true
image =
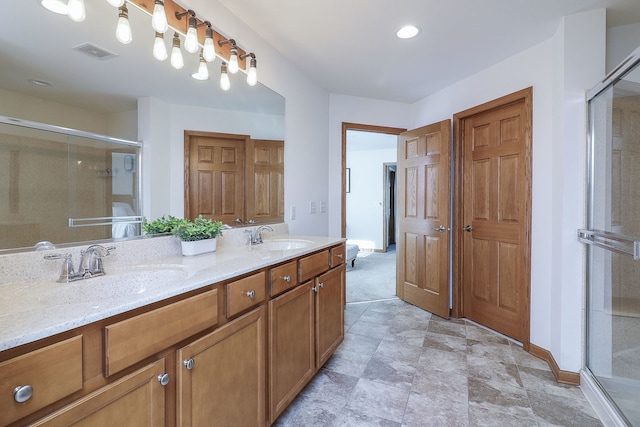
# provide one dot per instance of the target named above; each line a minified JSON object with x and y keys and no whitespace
{"x":564,"y":377}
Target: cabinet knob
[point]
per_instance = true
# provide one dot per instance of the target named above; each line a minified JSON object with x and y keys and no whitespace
{"x":22,"y":393}
{"x":321,"y":285}
{"x":189,"y":363}
{"x":163,"y":379}
{"x":287,"y":278}
{"x":339,"y":256}
{"x":251,"y":294}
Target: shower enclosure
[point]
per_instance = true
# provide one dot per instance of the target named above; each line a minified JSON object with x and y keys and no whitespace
{"x":613,"y":238}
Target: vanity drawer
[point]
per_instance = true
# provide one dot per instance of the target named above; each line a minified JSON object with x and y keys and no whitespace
{"x":283,"y":277}
{"x":245,"y":293}
{"x":313,"y":265}
{"x":131,"y":340}
{"x":338,"y":255}
{"x":52,"y":372}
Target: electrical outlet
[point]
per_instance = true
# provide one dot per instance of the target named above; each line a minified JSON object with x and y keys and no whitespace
{"x":323,"y":207}
{"x":312,"y":207}
{"x":292,"y":213}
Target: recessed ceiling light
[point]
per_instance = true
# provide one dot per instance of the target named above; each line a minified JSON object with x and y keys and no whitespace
{"x":408,"y":32}
{"x":39,"y":82}
{"x":56,"y":6}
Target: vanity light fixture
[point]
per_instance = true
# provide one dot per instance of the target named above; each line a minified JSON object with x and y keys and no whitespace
{"x":252,"y":73}
{"x":159,"y":48}
{"x":225,"y":84}
{"x":159,"y":17}
{"x":76,"y":10}
{"x":209,"y":51}
{"x":176,"y":54}
{"x":123,"y":29}
{"x":191,"y":40}
{"x":56,"y":6}
{"x":115,"y":3}
{"x":233,"y":57}
{"x":203,"y":71}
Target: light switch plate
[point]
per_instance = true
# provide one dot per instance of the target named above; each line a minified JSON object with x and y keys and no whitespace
{"x":312,"y":207}
{"x":323,"y":207}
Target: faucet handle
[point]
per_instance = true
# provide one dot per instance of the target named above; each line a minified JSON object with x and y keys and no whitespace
{"x":67,"y":272}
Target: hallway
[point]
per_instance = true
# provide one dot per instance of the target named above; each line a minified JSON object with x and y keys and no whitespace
{"x":400,"y":366}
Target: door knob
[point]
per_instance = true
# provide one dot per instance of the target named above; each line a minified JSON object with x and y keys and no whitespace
{"x":441,"y":229}
{"x":468,"y":228}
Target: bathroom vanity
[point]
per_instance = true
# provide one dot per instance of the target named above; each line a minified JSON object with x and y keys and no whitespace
{"x":221,"y":339}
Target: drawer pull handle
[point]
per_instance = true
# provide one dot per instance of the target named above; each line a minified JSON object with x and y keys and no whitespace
{"x":339,"y":256}
{"x":189,"y":363}
{"x":22,"y":393}
{"x":251,"y":294}
{"x":163,"y":379}
{"x":287,"y":278}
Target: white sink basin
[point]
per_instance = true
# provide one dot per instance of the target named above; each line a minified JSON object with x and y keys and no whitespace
{"x":284,"y":244}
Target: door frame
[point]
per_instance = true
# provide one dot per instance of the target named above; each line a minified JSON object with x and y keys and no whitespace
{"x":361,"y":127}
{"x":389,"y":204}
{"x":457,"y":290}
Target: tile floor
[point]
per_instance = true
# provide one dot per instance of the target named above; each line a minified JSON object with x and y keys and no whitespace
{"x":400,"y":366}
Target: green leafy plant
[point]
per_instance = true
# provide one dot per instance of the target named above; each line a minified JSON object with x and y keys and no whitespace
{"x":198,"y":229}
{"x":164,"y":224}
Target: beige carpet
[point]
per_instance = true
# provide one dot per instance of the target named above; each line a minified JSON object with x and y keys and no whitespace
{"x":373,"y":277}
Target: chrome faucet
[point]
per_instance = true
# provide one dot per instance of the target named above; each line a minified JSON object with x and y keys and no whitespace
{"x":255,"y":237}
{"x":90,"y":263}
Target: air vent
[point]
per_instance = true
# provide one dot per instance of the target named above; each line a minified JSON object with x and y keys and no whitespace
{"x":94,"y":51}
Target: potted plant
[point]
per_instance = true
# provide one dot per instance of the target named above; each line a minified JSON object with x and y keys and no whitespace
{"x":198,"y":236}
{"x":162,"y":225}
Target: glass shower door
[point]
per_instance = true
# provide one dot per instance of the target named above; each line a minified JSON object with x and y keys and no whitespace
{"x":613,"y":235}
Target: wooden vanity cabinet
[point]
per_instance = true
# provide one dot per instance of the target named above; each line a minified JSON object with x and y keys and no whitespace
{"x":137,"y":399}
{"x":306,"y":325}
{"x":221,"y":377}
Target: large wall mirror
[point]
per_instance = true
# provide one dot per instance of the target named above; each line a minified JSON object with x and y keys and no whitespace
{"x":52,"y":60}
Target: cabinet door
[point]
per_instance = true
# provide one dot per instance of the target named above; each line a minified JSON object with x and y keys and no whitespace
{"x":225,"y":385}
{"x":329,"y":313}
{"x":138,"y":399}
{"x":291,"y":346}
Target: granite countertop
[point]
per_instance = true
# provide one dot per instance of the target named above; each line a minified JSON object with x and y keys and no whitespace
{"x":36,"y":309}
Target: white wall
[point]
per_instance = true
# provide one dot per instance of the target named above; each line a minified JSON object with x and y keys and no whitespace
{"x":365,"y":202}
{"x":621,"y":41}
{"x":560,"y":70}
{"x":27,"y":107}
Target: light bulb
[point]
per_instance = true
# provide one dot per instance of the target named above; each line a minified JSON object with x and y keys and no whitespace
{"x":203,"y":71}
{"x":116,"y":3}
{"x":76,"y":10}
{"x":55,"y":6}
{"x":159,"y":17}
{"x":159,"y":48}
{"x":191,"y":40}
{"x":233,"y":61}
{"x":176,"y":54}
{"x":252,"y":74}
{"x":209,"y":51}
{"x":225,"y":84}
{"x":123,"y":29}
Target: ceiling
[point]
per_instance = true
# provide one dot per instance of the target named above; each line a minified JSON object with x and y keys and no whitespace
{"x":349,"y":46}
{"x":346,"y":46}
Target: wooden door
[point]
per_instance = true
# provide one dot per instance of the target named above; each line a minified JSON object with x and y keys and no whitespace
{"x":330,"y":292}
{"x":423,"y":214}
{"x":138,"y":399}
{"x":495,"y":145}
{"x":214,"y":176}
{"x":292,"y":360}
{"x":265,"y":181}
{"x":225,"y":386}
